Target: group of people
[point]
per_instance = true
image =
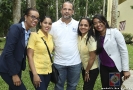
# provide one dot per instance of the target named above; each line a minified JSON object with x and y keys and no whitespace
{"x":87,"y":45}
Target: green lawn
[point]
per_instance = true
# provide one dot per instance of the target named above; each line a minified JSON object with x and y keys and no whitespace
{"x":2,"y":42}
{"x":29,"y":86}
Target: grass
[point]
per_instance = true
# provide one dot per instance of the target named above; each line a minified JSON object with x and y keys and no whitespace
{"x":130,"y":53}
{"x":2,"y":42}
{"x":29,"y":86}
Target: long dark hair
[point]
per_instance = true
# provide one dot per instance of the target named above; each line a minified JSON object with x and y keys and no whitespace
{"x":97,"y":33}
{"x":26,"y":13}
{"x":90,"y":32}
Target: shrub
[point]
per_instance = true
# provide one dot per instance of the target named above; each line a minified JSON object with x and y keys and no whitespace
{"x":128,"y":38}
{"x":0,"y":40}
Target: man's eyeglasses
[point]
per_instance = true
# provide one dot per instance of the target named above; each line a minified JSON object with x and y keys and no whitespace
{"x":34,"y":17}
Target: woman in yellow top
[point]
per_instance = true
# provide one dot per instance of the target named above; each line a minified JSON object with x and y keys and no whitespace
{"x":38,"y":57}
{"x":87,"y":47}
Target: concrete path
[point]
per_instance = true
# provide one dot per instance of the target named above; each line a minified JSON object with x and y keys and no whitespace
{"x":128,"y":84}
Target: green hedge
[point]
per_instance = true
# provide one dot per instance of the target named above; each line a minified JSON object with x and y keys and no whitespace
{"x":128,"y":38}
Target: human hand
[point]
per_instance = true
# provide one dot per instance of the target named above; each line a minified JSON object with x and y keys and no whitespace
{"x":36,"y":80}
{"x":87,"y":78}
{"x":16,"y":80}
{"x":126,"y":74}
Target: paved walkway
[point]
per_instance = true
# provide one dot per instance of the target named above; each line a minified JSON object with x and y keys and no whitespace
{"x":128,"y":84}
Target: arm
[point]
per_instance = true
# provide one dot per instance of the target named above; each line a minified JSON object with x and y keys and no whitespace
{"x":30,"y":55}
{"x":36,"y":78}
{"x":123,"y":53}
{"x":91,"y":60}
{"x":13,"y":37}
{"x":92,"y":56}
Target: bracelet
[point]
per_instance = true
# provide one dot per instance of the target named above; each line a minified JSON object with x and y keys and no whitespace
{"x":86,"y":72}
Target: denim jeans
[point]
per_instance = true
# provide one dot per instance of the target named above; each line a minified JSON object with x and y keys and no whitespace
{"x":71,"y":74}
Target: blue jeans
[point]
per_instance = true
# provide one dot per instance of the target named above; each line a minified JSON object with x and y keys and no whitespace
{"x":71,"y":74}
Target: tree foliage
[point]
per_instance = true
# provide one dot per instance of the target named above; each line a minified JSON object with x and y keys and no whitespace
{"x":131,"y":7}
{"x":5,"y":16}
{"x":47,"y":8}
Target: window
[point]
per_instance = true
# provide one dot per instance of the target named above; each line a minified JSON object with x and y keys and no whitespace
{"x":121,"y":1}
{"x":122,"y":25}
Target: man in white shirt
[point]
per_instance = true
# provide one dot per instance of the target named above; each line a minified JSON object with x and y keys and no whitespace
{"x":66,"y":59}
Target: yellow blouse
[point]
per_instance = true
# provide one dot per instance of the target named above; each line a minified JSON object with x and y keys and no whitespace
{"x":85,"y":49}
{"x":41,"y":58}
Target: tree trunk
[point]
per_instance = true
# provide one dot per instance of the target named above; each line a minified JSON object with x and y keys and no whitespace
{"x":28,"y":3}
{"x":86,"y":9}
{"x":32,"y":4}
{"x":104,"y":1}
{"x":73,"y":2}
{"x":56,"y":10}
{"x":16,"y":11}
{"x":114,"y":14}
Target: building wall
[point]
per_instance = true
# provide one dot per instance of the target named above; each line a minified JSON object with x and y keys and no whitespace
{"x":126,"y":14}
{"x":121,"y":1}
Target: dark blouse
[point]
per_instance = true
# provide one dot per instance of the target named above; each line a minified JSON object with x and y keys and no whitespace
{"x":105,"y":59}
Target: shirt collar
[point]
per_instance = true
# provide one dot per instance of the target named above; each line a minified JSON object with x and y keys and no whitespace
{"x":64,"y":22}
{"x":85,"y":36}
{"x":23,"y":25}
{"x":26,"y":31}
{"x":41,"y":33}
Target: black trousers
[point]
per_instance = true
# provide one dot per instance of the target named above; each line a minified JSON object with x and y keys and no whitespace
{"x":105,"y":78}
{"x":9,"y":81}
{"x":93,"y":76}
{"x":45,"y":81}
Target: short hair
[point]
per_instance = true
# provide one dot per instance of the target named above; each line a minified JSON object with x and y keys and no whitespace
{"x":70,"y":3}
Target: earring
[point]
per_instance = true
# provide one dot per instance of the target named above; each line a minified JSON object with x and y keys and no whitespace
{"x":93,"y":29}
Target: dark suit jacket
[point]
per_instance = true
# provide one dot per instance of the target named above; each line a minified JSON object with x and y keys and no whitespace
{"x":12,"y":59}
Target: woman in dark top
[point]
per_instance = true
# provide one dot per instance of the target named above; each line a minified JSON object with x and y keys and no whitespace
{"x":12,"y":59}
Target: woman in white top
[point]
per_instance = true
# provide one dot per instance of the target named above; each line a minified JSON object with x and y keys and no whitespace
{"x":113,"y":54}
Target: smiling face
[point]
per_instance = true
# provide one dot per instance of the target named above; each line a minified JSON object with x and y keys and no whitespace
{"x":99,"y":25}
{"x":46,"y":25}
{"x":32,"y":19}
{"x":67,"y":10}
{"x":84,"y":26}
